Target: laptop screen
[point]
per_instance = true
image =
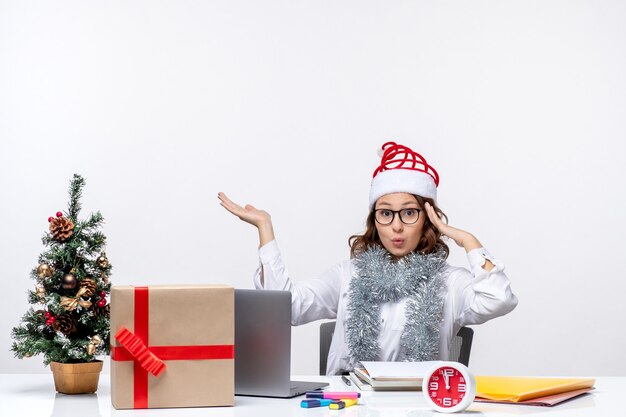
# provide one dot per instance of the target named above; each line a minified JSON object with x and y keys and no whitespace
{"x":262,"y":342}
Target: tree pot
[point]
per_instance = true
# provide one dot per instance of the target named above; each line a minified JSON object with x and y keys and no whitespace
{"x":76,"y":378}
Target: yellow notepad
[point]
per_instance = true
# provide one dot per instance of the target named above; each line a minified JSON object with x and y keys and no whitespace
{"x":516,"y":389}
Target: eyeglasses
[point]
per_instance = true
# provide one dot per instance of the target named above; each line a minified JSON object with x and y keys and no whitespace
{"x":407,"y":215}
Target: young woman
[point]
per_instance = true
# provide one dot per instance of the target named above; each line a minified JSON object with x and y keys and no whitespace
{"x":396,"y":298}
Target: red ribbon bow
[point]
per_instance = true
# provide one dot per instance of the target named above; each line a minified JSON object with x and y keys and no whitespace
{"x":133,"y":344}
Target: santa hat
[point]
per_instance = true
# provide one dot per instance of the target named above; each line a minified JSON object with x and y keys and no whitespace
{"x":403,"y":171}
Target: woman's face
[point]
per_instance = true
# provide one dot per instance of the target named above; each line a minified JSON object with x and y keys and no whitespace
{"x":399,"y":238}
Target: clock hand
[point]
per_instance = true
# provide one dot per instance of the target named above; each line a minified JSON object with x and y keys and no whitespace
{"x":446,"y":378}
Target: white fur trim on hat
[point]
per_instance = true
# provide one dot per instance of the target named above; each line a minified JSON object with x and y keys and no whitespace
{"x":402,"y":181}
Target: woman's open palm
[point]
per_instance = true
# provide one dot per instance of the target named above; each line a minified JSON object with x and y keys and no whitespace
{"x":248,"y":213}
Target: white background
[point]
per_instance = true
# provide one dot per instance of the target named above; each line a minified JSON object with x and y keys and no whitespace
{"x":161,"y":104}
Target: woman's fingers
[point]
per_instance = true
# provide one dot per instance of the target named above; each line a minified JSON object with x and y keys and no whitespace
{"x":234,"y":208}
{"x":452,"y":232}
{"x":434,"y":218}
{"x":226,"y":201}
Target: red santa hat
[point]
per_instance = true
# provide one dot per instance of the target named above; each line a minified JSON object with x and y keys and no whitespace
{"x":402,"y":170}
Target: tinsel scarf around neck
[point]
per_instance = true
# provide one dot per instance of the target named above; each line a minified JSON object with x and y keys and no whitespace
{"x":379,"y":280}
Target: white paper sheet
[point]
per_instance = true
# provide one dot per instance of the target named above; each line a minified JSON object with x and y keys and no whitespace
{"x":398,"y":369}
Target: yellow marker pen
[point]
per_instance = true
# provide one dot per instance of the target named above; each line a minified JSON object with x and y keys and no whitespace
{"x":339,"y":404}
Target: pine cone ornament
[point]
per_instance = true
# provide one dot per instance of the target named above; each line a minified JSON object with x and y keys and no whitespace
{"x":101,"y":311}
{"x":65,"y":324}
{"x":89,"y":286}
{"x":61,"y":228}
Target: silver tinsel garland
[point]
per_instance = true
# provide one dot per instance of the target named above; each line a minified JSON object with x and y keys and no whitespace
{"x":379,"y":280}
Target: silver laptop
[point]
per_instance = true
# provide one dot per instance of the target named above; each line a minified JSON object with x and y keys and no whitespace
{"x":263,"y":345}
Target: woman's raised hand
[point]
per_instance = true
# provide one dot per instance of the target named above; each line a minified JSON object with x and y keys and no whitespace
{"x":250,"y":214}
{"x":462,"y":238}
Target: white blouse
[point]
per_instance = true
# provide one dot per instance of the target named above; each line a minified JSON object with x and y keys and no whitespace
{"x":471,"y":298}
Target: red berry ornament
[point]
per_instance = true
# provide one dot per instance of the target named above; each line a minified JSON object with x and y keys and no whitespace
{"x":50,"y":219}
{"x":102,"y":302}
{"x":103,"y":294}
{"x":47,"y":314}
{"x":59,"y":214}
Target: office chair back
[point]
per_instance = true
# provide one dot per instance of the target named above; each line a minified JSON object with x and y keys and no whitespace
{"x":326,"y":335}
{"x":459,"y":351}
{"x":462,"y":345}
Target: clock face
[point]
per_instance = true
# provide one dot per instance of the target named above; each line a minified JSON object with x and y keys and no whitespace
{"x":447,"y":387}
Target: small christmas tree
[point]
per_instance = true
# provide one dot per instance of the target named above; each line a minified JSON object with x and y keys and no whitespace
{"x":71,"y":322}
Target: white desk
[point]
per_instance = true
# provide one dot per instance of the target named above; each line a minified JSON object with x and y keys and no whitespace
{"x":33,"y":395}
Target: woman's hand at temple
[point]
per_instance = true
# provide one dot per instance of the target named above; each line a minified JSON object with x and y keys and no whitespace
{"x":462,"y":238}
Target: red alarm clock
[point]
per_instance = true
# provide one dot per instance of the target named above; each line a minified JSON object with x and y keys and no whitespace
{"x":449,"y":387}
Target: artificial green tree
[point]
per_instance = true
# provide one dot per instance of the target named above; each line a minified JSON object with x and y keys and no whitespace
{"x":70,"y":320}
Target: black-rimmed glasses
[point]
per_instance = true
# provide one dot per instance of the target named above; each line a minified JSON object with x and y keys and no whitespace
{"x":407,"y":215}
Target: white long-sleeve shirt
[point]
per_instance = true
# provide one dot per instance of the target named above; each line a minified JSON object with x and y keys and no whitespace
{"x":470,"y":298}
